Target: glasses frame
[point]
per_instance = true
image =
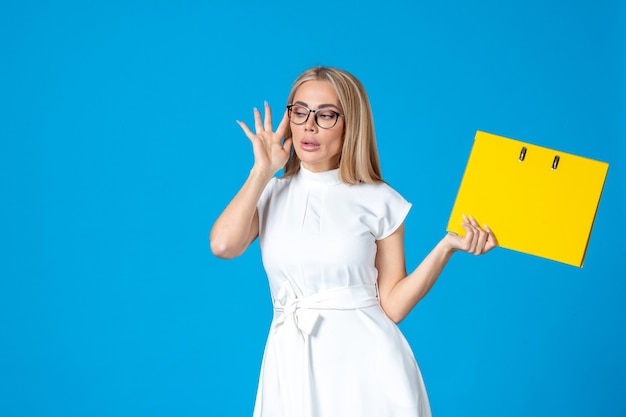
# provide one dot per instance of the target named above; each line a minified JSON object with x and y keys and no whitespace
{"x":289,"y":106}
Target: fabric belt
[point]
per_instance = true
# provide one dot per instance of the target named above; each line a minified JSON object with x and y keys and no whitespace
{"x":302,"y":312}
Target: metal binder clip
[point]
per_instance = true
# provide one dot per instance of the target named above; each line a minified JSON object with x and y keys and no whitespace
{"x":522,"y":154}
{"x":555,"y":163}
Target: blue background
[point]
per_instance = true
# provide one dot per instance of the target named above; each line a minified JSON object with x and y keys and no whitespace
{"x":119,"y":148}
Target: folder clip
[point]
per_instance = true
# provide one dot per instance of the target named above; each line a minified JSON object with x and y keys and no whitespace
{"x":522,"y":154}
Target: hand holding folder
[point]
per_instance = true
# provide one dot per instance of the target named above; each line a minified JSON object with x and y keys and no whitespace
{"x":536,"y":200}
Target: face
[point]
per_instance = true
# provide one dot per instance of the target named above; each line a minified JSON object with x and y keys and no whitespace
{"x":319,"y":149}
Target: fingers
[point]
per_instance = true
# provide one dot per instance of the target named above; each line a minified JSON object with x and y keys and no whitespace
{"x":263,"y":128}
{"x":468,"y":243}
{"x":268,"y":117}
{"x":481,"y":237}
{"x":282,"y":126}
{"x":246,"y":129}
{"x":492,"y":242}
{"x":263,"y":125}
{"x":258,"y":123}
{"x":477,"y":240}
{"x":287,"y":144}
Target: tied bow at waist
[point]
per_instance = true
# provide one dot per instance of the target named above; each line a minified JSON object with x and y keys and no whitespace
{"x":303,"y":312}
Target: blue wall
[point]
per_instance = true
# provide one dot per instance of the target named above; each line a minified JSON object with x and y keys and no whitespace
{"x":119,"y":148}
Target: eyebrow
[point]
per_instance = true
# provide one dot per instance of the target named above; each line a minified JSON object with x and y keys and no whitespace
{"x":322,"y":106}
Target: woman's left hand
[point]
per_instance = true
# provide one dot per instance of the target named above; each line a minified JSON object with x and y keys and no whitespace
{"x":476,"y":240}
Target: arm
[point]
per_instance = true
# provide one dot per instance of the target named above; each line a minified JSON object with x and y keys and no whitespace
{"x":400,"y":292}
{"x":238,"y":225}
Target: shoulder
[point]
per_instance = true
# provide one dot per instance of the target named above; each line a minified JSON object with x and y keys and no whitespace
{"x":376,"y":193}
{"x":275,"y":187}
{"x":381,"y":188}
{"x":278,"y":183}
{"x":379,"y":206}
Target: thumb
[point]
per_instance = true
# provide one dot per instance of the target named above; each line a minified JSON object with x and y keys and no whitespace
{"x":287,"y":143}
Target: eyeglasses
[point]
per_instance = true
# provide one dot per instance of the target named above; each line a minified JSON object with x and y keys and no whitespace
{"x":324,"y":118}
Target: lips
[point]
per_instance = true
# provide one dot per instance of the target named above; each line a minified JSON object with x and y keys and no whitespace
{"x":309,"y":144}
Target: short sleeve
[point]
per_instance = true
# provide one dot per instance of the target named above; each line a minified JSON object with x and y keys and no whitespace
{"x":389,"y":209}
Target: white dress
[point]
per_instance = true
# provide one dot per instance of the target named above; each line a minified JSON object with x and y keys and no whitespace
{"x":331,"y":350}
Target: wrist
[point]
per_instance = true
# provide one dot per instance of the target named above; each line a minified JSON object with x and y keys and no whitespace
{"x":446,"y":246}
{"x":261,"y":174}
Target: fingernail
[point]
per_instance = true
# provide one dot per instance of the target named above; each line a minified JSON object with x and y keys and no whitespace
{"x":255,"y":109}
{"x":266,"y":103}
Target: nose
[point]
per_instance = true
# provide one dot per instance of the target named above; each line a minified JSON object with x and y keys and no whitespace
{"x":310,"y":122}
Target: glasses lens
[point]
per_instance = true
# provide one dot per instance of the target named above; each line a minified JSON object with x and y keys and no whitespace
{"x":298,"y":114}
{"x":326,"y":118}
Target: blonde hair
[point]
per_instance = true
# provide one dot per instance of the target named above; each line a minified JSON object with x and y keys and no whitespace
{"x":358,"y":161}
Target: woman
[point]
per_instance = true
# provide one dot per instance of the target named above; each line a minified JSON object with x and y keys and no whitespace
{"x":332,"y":240}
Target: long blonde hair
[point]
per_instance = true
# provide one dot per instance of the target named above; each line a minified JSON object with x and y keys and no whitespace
{"x":359,"y":161}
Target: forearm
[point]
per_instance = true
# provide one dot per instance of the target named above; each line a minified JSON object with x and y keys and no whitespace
{"x":237,"y":226}
{"x":408,"y":291}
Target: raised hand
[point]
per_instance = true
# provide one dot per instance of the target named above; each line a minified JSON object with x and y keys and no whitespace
{"x":270,"y":155}
{"x":476,"y":240}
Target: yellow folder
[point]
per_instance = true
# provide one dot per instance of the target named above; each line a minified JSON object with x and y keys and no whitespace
{"x":536,"y":200}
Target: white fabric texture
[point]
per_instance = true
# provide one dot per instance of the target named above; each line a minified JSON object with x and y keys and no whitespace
{"x":331,"y":350}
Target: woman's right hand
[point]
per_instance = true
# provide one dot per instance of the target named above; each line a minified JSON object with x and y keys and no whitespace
{"x":270,"y":155}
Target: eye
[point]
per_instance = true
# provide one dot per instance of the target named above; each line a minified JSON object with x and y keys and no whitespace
{"x":328,"y":115}
{"x":299,"y":111}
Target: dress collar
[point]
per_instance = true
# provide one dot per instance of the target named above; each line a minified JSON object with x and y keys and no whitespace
{"x":322,"y":178}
